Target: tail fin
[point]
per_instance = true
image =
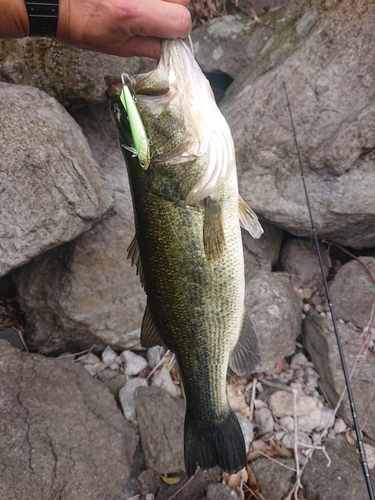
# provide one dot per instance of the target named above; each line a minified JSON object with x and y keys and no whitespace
{"x":214,"y":443}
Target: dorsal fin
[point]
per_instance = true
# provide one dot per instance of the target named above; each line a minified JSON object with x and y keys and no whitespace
{"x":245,"y":356}
{"x":135,"y":257}
{"x":150,"y":335}
{"x":213,"y":230}
{"x":249,"y":219}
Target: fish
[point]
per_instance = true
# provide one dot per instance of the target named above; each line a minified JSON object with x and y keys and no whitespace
{"x":187,"y":246}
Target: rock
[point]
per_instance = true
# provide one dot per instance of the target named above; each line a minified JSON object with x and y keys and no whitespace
{"x":52,"y":189}
{"x":116,"y":383}
{"x":62,"y":433}
{"x":108,"y":355}
{"x":326,"y":418}
{"x":299,"y":359}
{"x":281,"y":404}
{"x":222,"y":491}
{"x":370,"y":455}
{"x":149,"y":482}
{"x":331,"y":93}
{"x":73,"y":76}
{"x":161,"y":427}
{"x":287,"y":423}
{"x":275,"y":311}
{"x":319,"y":340}
{"x":300,"y":259}
{"x":12,"y":337}
{"x":264,"y":419}
{"x":262,"y":254}
{"x":162,"y":378}
{"x":340,"y":426}
{"x":134,"y":363}
{"x":87,"y":293}
{"x":154,"y":355}
{"x":302,"y":439}
{"x":227,"y":44}
{"x":353,"y":292}
{"x":342,"y":480}
{"x":276,"y":479}
{"x":247,"y":429}
{"x":306,"y":423}
{"x":126,"y":397}
{"x":194,"y":490}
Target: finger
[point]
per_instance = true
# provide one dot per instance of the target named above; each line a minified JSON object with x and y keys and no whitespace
{"x":161,"y":19}
{"x":184,"y":3}
{"x":141,"y":46}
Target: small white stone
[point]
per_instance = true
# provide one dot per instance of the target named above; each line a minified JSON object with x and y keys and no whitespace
{"x":306,"y":308}
{"x":108,"y":355}
{"x":126,"y":397}
{"x":370,"y":455}
{"x":247,"y":429}
{"x":118,"y":360}
{"x":299,"y":359}
{"x":302,"y":438}
{"x":150,"y":496}
{"x":89,"y":359}
{"x":287,"y":423}
{"x":310,"y":421}
{"x":326,"y":417}
{"x":113,"y":366}
{"x":340,"y":426}
{"x":134,"y":364}
{"x":162,"y":378}
{"x":154,"y":355}
{"x":264,"y":419}
{"x":281,"y":404}
{"x":90,"y":369}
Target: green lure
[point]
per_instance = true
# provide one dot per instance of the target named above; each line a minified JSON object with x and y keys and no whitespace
{"x":141,"y":142}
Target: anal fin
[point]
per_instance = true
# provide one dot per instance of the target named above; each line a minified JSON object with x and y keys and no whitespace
{"x":245,"y":356}
{"x":150,"y":335}
{"x":213,"y":230}
{"x":249,"y":219}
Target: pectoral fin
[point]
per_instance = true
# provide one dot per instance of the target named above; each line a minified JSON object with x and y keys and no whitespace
{"x":213,"y":230}
{"x":135,"y":257}
{"x":150,"y":335}
{"x":245,"y":356}
{"x":249,"y":219}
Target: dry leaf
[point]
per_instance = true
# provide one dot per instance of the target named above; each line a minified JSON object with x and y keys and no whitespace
{"x":235,"y":480}
{"x":280,"y":366}
{"x":171,"y":480}
{"x":349,"y":438}
{"x":281,"y":450}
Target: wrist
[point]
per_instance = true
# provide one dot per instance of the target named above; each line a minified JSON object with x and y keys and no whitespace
{"x":14,"y":21}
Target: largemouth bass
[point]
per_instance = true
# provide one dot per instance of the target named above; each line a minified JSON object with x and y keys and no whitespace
{"x":188,"y":248}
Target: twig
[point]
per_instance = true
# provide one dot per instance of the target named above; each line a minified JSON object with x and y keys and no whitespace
{"x":298,"y":482}
{"x":18,"y":330}
{"x":276,"y":461}
{"x":157,"y":366}
{"x":276,"y":385}
{"x":252,"y":402}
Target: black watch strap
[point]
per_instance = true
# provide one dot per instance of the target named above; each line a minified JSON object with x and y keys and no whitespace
{"x":42,"y":17}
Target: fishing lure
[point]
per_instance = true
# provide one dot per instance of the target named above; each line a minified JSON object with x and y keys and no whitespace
{"x":137,"y":129}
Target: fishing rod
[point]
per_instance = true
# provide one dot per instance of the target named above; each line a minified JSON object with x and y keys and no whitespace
{"x":361,"y":449}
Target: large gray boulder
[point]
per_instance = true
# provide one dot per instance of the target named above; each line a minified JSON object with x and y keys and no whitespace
{"x":51,"y":190}
{"x":325,"y":58}
{"x":320,"y":342}
{"x":161,"y":428}
{"x":73,"y":76}
{"x":86,"y":292}
{"x":275,"y":311}
{"x":353,"y":292}
{"x":61,"y":433}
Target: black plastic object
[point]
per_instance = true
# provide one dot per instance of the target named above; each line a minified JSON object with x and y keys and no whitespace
{"x":42,"y":17}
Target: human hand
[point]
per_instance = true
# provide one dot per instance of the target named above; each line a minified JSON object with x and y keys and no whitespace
{"x":122,"y":27}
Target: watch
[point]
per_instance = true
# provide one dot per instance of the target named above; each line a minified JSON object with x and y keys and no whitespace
{"x":42,"y":17}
